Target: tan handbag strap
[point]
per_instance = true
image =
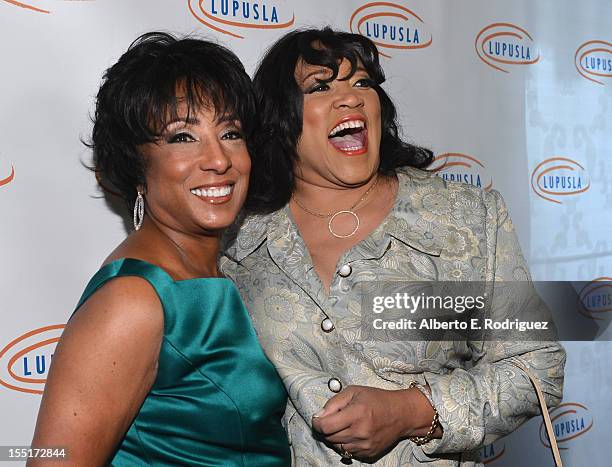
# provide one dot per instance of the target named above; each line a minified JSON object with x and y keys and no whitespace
{"x":549,"y":429}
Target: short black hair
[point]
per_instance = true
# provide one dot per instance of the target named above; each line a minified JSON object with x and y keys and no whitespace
{"x":280,"y":105}
{"x":138,"y":96}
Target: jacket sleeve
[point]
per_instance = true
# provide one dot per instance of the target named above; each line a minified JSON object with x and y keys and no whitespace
{"x":494,"y":397}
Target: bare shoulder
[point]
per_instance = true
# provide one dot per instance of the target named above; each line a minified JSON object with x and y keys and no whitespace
{"x":124,"y":306}
{"x":103,"y":368}
{"x":118,"y":330}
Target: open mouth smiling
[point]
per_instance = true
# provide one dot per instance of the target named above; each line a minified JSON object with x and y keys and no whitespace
{"x":214,"y":194}
{"x":350,"y":137}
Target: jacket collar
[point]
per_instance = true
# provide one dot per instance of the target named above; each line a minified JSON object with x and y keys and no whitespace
{"x":406,"y":222}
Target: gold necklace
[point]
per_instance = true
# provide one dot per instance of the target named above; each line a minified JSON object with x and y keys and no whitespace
{"x":333,"y":215}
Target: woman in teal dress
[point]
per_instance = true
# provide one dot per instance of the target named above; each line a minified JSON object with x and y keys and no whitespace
{"x":160,"y":364}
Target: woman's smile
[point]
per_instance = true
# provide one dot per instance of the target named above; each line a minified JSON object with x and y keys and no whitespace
{"x":350,"y":135}
{"x":214,"y":194}
{"x":197,"y":175}
{"x":339,"y":144}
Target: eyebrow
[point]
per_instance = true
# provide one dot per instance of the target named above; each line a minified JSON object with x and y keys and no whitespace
{"x":319,"y":71}
{"x":188,"y":121}
{"x":196,"y":121}
{"x":228,"y":118}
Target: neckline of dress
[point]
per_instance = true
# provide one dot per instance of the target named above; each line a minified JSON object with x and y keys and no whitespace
{"x":156,"y":266}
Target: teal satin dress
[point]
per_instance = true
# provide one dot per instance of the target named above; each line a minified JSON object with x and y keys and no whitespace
{"x":217,"y":400}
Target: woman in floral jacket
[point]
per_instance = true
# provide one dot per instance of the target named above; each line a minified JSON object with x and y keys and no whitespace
{"x":337,"y":199}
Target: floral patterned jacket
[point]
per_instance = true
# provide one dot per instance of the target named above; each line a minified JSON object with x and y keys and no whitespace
{"x":436,"y":231}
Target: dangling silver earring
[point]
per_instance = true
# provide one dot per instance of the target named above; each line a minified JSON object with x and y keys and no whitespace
{"x":138,"y":211}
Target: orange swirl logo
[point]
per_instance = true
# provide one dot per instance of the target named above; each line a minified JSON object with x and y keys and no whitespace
{"x":25,"y":361}
{"x":232,"y":17}
{"x":9,"y":179}
{"x":593,"y":60}
{"x":390,"y":26}
{"x":492,"y":452}
{"x":502,"y":44}
{"x":569,"y":421}
{"x":557,"y":177}
{"x":596,"y":297}
{"x":458,"y":167}
{"x":26,"y":6}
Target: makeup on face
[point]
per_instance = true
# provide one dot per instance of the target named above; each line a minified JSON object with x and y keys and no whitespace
{"x":349,"y":135}
{"x":339,"y":143}
{"x":214,"y":194}
{"x":197,"y":173}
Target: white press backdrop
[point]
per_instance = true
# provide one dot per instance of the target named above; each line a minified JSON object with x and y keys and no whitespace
{"x":517,"y":94}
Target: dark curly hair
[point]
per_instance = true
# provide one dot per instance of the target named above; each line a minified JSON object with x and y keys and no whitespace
{"x":138,"y":96}
{"x":280,"y":104}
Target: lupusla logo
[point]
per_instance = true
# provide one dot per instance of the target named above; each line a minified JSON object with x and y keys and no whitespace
{"x":25,"y":361}
{"x":458,"y":167}
{"x":391,"y":27}
{"x":559,"y":177}
{"x":492,"y":452}
{"x":233,"y":17}
{"x":569,"y":421}
{"x":501,"y":45}
{"x":9,"y":178}
{"x":596,"y":297}
{"x":593,"y":60}
{"x":27,"y":6}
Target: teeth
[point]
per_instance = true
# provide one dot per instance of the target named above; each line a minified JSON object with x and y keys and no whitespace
{"x":354,"y":148}
{"x":345,"y":125}
{"x":212,"y":192}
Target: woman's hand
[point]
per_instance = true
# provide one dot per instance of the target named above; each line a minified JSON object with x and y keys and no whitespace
{"x":368,"y":422}
{"x":103,"y":368}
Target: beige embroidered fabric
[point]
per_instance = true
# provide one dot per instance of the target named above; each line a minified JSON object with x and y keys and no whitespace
{"x":436,"y":231}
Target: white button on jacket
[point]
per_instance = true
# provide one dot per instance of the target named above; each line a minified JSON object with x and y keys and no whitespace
{"x":334,"y":385}
{"x":327,"y":325}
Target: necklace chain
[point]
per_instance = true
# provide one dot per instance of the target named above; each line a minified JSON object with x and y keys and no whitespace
{"x":325,"y":216}
{"x":333,"y":215}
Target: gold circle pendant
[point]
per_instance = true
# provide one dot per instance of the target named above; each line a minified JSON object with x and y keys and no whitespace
{"x":331,"y":230}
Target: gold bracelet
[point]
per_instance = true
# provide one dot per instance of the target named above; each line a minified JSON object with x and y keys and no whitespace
{"x":435,"y":423}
